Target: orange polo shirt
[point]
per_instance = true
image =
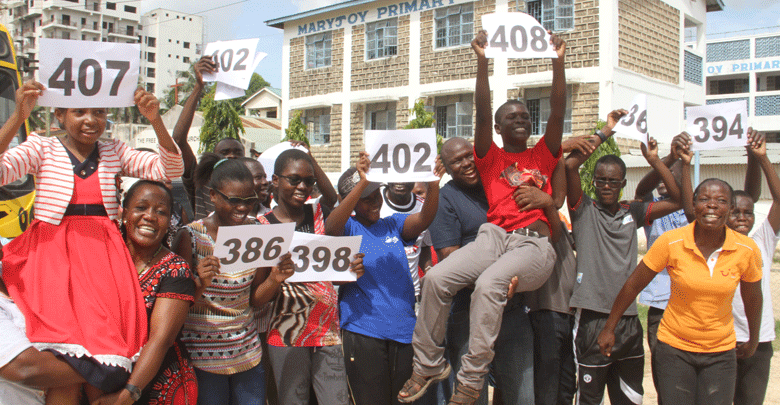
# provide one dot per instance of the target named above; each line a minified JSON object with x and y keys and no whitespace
{"x":698,"y":316}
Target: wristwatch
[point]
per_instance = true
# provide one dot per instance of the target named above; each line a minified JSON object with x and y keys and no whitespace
{"x":600,"y":135}
{"x":135,"y":392}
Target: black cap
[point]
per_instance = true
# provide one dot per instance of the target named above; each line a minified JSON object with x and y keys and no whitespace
{"x":349,"y":179}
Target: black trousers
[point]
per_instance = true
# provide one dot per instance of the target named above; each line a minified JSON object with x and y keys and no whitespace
{"x":554,"y":371}
{"x":376,"y":368}
{"x":688,"y":378}
{"x":753,"y":376}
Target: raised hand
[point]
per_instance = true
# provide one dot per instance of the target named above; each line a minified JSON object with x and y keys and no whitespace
{"x":204,"y":65}
{"x":479,"y":43}
{"x":681,"y":147}
{"x":650,"y":151}
{"x":756,"y":142}
{"x":147,"y":104}
{"x":27,"y":97}
{"x":363,"y":165}
{"x":584,"y":143}
{"x":438,"y":168}
{"x":558,"y":44}
{"x":612,"y":120}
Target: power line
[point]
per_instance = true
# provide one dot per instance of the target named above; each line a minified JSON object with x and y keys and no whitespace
{"x":747,"y":29}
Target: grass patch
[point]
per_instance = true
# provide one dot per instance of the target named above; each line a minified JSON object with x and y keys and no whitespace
{"x":642,"y":309}
{"x":776,"y":343}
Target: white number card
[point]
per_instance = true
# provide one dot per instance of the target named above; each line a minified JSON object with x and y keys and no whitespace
{"x":634,"y":124}
{"x":516,"y":35}
{"x":246,"y":247}
{"x":86,"y":74}
{"x":404,"y":155}
{"x":717,"y":126}
{"x":235,"y":61}
{"x":323,"y":258}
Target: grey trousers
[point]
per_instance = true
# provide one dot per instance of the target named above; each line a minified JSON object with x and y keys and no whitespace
{"x":488,"y":263}
{"x":297,"y":369}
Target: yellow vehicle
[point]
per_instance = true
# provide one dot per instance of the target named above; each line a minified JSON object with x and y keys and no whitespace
{"x":16,"y":199}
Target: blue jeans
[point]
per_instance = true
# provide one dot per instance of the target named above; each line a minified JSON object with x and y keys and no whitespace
{"x":244,"y":388}
{"x":513,"y":365}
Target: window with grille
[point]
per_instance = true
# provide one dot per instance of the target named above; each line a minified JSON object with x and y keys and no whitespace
{"x":454,"y":120}
{"x":732,"y":50}
{"x":555,"y":15}
{"x":318,"y":50}
{"x":767,"y":105}
{"x":539,"y":111}
{"x":318,"y":126}
{"x":454,"y":25}
{"x":384,"y":119}
{"x":729,"y":86}
{"x":693,"y":68}
{"x":767,"y":47}
{"x":382,"y":39}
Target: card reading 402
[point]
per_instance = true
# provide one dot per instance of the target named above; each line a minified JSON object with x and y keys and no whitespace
{"x":85,"y":74}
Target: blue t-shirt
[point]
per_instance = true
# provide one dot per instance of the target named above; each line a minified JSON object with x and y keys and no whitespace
{"x":381,"y":303}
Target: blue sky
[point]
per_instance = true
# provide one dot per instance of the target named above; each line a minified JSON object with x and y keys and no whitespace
{"x":236,"y":19}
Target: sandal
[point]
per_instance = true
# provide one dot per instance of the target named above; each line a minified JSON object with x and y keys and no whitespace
{"x":464,"y":396}
{"x":416,"y":385}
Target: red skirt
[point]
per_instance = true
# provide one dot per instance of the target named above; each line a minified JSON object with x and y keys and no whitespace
{"x":78,"y":289}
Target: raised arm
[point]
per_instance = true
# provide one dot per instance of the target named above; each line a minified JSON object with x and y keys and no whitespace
{"x":149,"y":106}
{"x":652,"y":178}
{"x":554,"y":133}
{"x":664,"y":207}
{"x":483,"y":133}
{"x":415,"y":224}
{"x":758,"y":152}
{"x":334,"y":224}
{"x":26,"y":98}
{"x":183,"y":124}
{"x":753,"y":172}
{"x":329,"y":195}
{"x":578,"y":156}
{"x":682,"y":142}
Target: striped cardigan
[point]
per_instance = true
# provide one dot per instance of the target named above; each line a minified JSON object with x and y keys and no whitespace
{"x":47,"y":159}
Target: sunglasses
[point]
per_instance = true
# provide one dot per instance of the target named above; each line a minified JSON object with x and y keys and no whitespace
{"x":251,"y":201}
{"x":295,"y":180}
{"x":601,"y":183}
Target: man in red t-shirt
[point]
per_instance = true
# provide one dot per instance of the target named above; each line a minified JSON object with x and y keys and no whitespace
{"x":514,"y":242}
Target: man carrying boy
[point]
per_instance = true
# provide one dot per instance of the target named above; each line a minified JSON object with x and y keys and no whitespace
{"x":513,"y":243}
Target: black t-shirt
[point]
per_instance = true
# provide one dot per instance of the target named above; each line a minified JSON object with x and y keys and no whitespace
{"x":461,"y":212}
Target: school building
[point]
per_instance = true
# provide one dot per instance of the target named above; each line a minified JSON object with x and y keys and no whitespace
{"x":747,"y":68}
{"x":362,"y":64}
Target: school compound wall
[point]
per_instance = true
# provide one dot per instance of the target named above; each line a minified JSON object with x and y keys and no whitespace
{"x":362,"y":65}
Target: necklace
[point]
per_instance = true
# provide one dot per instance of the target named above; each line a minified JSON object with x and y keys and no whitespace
{"x":148,"y":262}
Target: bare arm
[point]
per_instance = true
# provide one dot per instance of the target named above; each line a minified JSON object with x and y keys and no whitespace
{"x":558,"y":182}
{"x":638,"y":280}
{"x":759,"y":154}
{"x":183,"y":124}
{"x":26,"y":98}
{"x":753,"y":300}
{"x":664,"y":207}
{"x":267,"y":280}
{"x":334,"y":224}
{"x":149,"y":107}
{"x":554,"y":132}
{"x":40,"y":369}
{"x":483,"y":133}
{"x":652,"y":179}
{"x":753,"y":173}
{"x":687,"y":188}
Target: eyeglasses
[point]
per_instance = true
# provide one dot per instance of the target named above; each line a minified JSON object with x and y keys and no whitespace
{"x":251,"y":201}
{"x":295,"y":180}
{"x":601,"y":183}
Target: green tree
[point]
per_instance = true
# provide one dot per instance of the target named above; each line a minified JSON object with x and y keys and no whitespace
{"x":423,"y":119}
{"x":586,"y":170}
{"x":296,"y":131}
{"x":255,"y":84}
{"x":220,"y":120}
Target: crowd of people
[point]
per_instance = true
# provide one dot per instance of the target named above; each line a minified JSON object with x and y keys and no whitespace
{"x":479,"y":282}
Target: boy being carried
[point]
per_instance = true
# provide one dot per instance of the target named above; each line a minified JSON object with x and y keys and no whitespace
{"x":513,"y":243}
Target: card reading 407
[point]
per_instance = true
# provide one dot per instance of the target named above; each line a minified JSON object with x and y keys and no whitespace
{"x":84,"y":74}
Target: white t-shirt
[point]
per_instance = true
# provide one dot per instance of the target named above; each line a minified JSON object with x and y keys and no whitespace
{"x":13,"y":341}
{"x":422,"y":242}
{"x":766,"y":239}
